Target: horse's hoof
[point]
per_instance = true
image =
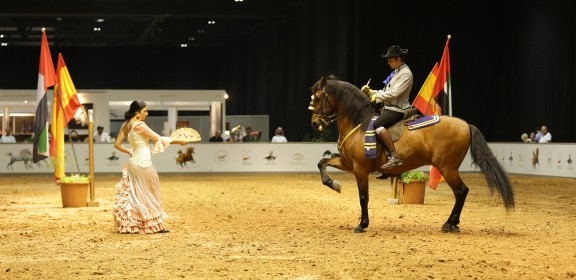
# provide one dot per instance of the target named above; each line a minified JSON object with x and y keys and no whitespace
{"x":359,"y":229}
{"x":336,"y":186}
{"x":450,"y":228}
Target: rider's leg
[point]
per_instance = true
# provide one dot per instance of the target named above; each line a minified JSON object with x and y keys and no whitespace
{"x":389,"y":144}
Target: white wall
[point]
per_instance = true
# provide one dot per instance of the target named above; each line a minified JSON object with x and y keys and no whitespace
{"x":554,"y":159}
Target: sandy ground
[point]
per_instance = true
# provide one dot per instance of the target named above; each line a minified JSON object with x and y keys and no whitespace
{"x":290,"y":227}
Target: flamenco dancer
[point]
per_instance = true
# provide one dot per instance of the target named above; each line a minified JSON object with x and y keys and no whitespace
{"x":138,"y":206}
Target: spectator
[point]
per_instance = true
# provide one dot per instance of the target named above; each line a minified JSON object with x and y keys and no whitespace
{"x":525,"y":138}
{"x":100,"y":136}
{"x":8,"y":137}
{"x":532,"y":137}
{"x":537,"y":136}
{"x":233,"y":138}
{"x":546,"y":136}
{"x":279,"y":136}
{"x":217,"y":137}
{"x":249,"y":137}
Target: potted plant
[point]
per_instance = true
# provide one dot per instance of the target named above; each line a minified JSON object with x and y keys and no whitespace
{"x":74,"y":190}
{"x":413,"y":187}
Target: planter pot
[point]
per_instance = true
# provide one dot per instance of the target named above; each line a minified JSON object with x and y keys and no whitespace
{"x":412,"y":193}
{"x":74,"y":194}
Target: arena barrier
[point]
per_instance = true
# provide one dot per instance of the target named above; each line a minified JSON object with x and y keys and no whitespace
{"x":517,"y":158}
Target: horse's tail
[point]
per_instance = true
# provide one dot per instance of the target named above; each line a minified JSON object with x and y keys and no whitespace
{"x":494,"y":173}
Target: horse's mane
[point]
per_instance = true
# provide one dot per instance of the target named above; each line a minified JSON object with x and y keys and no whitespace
{"x":355,"y":103}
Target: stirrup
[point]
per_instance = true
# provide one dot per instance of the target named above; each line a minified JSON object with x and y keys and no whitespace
{"x":393,"y":162}
{"x":382,"y":176}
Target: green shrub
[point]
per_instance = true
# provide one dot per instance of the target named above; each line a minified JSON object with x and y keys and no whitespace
{"x":414,"y":176}
{"x":75,"y":178}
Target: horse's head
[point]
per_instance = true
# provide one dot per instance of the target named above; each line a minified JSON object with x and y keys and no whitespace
{"x":322,"y":109}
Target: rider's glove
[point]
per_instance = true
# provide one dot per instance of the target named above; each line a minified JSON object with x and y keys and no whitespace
{"x":366,"y":90}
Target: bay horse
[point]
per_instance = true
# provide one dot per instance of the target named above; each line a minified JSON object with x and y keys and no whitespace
{"x":185,"y":157}
{"x":443,"y":145}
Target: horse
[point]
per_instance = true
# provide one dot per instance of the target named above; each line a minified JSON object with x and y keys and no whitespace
{"x":112,"y":158}
{"x":443,"y":145}
{"x":185,"y":157}
{"x":25,"y":156}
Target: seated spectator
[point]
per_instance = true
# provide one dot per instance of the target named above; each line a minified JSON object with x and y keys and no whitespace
{"x":233,"y":138}
{"x":546,"y":136}
{"x":100,"y":136}
{"x":279,"y":136}
{"x":537,"y":136}
{"x":217,"y":137}
{"x":8,"y":137}
{"x":532,"y":137}
{"x":525,"y":138}
{"x":249,"y":137}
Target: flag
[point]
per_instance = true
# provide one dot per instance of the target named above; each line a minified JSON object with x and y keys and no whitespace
{"x":437,"y":81}
{"x":46,"y":79}
{"x":64,"y":106}
{"x":425,"y":101}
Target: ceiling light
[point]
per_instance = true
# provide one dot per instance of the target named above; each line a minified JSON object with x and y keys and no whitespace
{"x":100,"y":20}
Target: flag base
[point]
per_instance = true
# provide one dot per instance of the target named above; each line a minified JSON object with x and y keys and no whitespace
{"x":93,"y":204}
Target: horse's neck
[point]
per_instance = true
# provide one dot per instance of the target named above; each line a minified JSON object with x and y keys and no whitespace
{"x":346,"y":128}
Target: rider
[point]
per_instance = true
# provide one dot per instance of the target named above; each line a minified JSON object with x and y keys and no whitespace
{"x":395,"y":97}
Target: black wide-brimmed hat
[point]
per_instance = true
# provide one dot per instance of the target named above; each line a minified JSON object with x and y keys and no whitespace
{"x":395,"y":51}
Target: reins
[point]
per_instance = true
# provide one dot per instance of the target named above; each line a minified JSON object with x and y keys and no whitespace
{"x":348,"y":135}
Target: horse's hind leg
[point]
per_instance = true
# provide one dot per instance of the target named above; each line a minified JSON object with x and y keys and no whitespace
{"x":460,"y":191}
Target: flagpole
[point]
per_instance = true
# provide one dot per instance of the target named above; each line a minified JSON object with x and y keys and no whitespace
{"x":91,"y":203}
{"x":58,"y":92}
{"x":449,"y":87}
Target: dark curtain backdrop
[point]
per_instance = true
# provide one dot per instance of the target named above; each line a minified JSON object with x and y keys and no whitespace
{"x":512,"y":67}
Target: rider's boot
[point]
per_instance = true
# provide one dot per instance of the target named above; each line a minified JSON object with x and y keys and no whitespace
{"x":389,"y":144}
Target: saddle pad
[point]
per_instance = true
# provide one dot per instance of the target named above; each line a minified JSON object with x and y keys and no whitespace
{"x":370,"y":140}
{"x":423,"y":122}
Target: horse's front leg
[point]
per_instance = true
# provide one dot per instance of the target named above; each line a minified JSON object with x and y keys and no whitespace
{"x":326,"y":180}
{"x":363,"y":186}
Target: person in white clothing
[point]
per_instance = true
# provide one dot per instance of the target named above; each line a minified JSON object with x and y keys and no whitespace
{"x":546,"y":136}
{"x":8,"y":137}
{"x":279,"y":136}
{"x":100,"y":136}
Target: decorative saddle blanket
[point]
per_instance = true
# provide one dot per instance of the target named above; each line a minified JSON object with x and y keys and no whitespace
{"x":423,"y":122}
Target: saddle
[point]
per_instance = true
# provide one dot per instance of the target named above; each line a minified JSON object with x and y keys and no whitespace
{"x":395,"y":131}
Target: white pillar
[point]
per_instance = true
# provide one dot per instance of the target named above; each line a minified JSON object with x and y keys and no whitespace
{"x":216,"y":118}
{"x":172,"y":118}
{"x":5,"y":119}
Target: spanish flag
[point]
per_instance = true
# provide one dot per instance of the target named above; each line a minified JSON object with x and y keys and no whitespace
{"x":64,"y":106}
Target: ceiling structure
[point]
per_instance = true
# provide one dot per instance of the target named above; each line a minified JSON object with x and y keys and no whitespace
{"x":135,"y":23}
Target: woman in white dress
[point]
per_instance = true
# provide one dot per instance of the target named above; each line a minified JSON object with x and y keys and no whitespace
{"x":138,"y":207}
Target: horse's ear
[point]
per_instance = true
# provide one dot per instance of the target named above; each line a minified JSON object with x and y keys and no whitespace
{"x":322,"y":81}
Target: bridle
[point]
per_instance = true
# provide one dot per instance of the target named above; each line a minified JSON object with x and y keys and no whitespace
{"x":325,"y":118}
